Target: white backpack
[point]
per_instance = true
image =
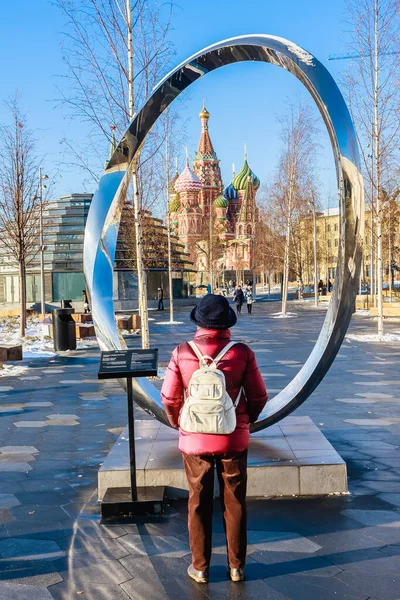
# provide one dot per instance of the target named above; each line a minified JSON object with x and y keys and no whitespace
{"x":208,"y":408}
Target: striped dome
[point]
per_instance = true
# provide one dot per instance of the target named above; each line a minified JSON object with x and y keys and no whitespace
{"x":174,"y":204}
{"x":188,"y":181}
{"x":230,"y":193}
{"x":242,"y":178}
{"x":221,"y":202}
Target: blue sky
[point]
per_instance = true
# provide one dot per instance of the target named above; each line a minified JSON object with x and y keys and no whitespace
{"x":243,"y":99}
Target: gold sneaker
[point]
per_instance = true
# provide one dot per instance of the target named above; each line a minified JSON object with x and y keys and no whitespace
{"x":236,"y":574}
{"x":197,"y":576}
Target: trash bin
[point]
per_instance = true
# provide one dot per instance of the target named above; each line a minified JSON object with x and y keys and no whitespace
{"x":64,"y":329}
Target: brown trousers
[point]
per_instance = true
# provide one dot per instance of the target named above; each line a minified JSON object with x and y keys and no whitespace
{"x":232,"y":477}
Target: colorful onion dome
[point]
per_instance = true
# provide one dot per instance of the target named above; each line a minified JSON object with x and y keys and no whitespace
{"x":188,"y":181}
{"x":221,"y":202}
{"x":230,"y":193}
{"x":245,"y":175}
{"x":174,"y":204}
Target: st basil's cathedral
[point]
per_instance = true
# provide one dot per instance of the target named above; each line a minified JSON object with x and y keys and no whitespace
{"x":204,"y":214}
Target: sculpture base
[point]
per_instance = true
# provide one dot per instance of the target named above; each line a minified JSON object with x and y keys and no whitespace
{"x":117,"y":502}
{"x":291,"y":458}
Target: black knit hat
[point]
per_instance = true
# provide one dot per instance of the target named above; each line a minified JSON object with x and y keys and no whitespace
{"x":213,"y":312}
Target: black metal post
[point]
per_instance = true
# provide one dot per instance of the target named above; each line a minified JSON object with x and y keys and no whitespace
{"x":131,"y":427}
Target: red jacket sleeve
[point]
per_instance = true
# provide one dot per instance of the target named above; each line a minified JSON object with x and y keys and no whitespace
{"x":172,"y":391}
{"x":254,"y":387}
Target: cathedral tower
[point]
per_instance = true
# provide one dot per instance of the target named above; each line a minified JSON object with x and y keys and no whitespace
{"x":206,"y":165}
{"x":190,"y":216}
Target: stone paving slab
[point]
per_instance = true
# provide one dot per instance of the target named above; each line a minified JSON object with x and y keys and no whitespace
{"x":23,"y":592}
{"x":342,"y":548}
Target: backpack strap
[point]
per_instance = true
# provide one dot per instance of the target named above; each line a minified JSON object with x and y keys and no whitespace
{"x":199,"y":355}
{"x":220,"y":357}
{"x":238,"y":397}
{"x":223,"y":352}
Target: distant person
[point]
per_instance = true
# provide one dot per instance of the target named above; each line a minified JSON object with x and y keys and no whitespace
{"x":86,"y":307}
{"x":249,"y":299}
{"x":320,"y":286}
{"x":160,"y":298}
{"x":205,"y":441}
{"x":330,"y":286}
{"x":238,"y":297}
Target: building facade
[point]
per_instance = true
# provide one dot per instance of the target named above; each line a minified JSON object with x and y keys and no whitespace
{"x":216,"y":224}
{"x":64,"y":223}
{"x":327,"y":240}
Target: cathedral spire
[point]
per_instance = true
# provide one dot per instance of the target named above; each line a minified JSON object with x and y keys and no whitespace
{"x":205,"y":149}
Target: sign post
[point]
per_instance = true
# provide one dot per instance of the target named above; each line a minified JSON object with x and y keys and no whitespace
{"x":121,"y":364}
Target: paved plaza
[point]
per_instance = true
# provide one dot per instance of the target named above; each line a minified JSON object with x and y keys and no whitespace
{"x":58,"y":422}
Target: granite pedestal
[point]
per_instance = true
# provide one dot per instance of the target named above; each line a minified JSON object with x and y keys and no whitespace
{"x":291,"y":458}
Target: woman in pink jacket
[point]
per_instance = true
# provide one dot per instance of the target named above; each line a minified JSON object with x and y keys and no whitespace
{"x":201,"y":451}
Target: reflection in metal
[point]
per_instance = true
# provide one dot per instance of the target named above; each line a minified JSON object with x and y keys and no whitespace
{"x":104,"y":216}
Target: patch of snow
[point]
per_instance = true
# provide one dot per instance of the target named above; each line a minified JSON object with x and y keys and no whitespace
{"x":35,"y":342}
{"x":13,"y":370}
{"x":288,"y":315}
{"x":374,"y":337}
{"x":161,"y":372}
{"x":169,"y":323}
{"x":362,"y":312}
{"x":301,"y":54}
{"x":89,"y":342}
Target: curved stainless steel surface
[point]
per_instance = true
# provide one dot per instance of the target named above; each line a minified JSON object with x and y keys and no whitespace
{"x":105,"y":211}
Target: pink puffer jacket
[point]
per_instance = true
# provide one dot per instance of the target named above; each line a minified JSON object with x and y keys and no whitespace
{"x":240,"y":369}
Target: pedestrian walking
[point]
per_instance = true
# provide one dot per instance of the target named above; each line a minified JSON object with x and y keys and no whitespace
{"x":249,"y":299}
{"x":238,"y":297}
{"x":205,"y":440}
{"x":160,"y":298}
{"x":86,"y":307}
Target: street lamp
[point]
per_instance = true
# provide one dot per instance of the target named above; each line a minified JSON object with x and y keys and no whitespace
{"x":312,"y":204}
{"x":42,"y":287}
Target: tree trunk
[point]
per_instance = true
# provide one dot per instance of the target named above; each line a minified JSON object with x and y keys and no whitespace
{"x":22,"y":297}
{"x":142,"y":287}
{"x":379,"y":275}
{"x":390,"y":258}
{"x":285,"y":282}
{"x":171,"y":291}
{"x":210,"y":249}
{"x":141,"y":275}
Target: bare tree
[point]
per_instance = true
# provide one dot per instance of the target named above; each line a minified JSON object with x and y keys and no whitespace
{"x":115,"y":51}
{"x":373,"y":93}
{"x":292,"y":178}
{"x":19,"y":214}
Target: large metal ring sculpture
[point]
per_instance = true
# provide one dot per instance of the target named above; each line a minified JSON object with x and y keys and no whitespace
{"x":105,"y":211}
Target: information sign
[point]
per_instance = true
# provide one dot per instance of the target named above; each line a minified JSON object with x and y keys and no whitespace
{"x":128,"y":363}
